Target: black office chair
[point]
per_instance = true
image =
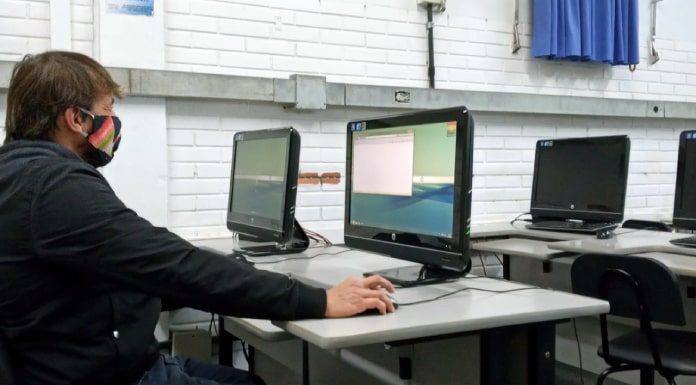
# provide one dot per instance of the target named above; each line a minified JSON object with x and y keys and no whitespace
{"x":646,"y":290}
{"x":7,"y":371}
{"x":646,"y":225}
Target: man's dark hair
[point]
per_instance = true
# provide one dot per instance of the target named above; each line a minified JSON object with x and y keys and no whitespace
{"x":43,"y":86}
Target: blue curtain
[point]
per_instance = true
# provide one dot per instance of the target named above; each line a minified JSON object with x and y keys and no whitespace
{"x":589,"y":30}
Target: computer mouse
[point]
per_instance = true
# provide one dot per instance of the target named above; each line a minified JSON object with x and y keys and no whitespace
{"x":393,"y":301}
{"x":375,"y":311}
{"x":240,"y":257}
{"x":605,"y":234}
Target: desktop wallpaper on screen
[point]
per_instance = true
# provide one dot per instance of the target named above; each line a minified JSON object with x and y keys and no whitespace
{"x":259,"y":178}
{"x":403,"y":178}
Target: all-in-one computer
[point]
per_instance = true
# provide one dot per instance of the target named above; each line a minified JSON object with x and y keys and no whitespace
{"x":580,"y":184}
{"x":263,"y":188}
{"x":685,"y":195}
{"x":408,"y":192}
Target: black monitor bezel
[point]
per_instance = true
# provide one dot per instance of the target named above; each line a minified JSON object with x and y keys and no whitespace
{"x":450,"y":253}
{"x":540,"y":213}
{"x":241,"y":223}
{"x":680,"y":219}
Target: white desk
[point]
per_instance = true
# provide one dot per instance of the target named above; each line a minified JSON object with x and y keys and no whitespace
{"x":495,"y":317}
{"x":523,"y":247}
{"x":519,"y":247}
{"x":466,"y":311}
{"x":519,"y":230}
{"x":627,"y":242}
{"x":683,"y":265}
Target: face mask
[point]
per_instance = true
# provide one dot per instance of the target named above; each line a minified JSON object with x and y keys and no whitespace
{"x":104,"y":138}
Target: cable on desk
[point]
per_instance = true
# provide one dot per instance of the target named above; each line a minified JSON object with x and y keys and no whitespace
{"x":483,"y":264}
{"x":463,"y":289}
{"x":245,"y":351}
{"x":213,"y":325}
{"x":517,"y":218}
{"x":577,"y":339}
{"x":496,"y":257}
{"x":298,"y":258}
{"x":317,"y":237}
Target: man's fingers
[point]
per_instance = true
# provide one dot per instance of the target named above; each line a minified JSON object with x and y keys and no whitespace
{"x":376,"y":282}
{"x":375,"y":303}
{"x":378,"y":294}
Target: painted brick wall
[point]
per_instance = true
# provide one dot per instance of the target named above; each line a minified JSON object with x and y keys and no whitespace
{"x":200,"y":138}
{"x":82,"y":26}
{"x":378,"y":42}
{"x":24,"y":28}
{"x":383,"y":42}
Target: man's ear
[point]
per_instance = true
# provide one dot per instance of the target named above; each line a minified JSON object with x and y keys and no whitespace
{"x":72,"y":119}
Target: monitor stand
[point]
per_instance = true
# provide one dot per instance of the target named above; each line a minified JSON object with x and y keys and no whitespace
{"x":297,"y":243}
{"x":419,"y":275}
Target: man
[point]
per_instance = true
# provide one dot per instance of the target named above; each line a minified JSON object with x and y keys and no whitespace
{"x":82,"y":277}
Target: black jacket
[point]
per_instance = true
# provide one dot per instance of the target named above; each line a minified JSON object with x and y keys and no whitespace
{"x":82,"y":277}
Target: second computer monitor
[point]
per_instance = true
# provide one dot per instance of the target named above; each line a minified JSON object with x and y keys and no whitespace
{"x":581,"y":178}
{"x":408,"y":192}
{"x":685,"y":194}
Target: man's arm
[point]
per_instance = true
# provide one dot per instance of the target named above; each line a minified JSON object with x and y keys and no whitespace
{"x":77,"y":221}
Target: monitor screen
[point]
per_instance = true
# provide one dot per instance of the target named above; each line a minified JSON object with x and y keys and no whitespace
{"x":581,"y":178}
{"x":263,"y":183}
{"x":409,"y":186}
{"x":685,"y":194}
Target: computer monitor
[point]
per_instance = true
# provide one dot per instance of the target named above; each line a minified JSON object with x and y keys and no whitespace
{"x":685,"y":194}
{"x":408,"y":191}
{"x":263,"y":188}
{"x":580,"y":179}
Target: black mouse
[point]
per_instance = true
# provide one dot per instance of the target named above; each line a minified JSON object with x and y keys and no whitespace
{"x":375,"y":311}
{"x":240,"y":257}
{"x":605,"y":234}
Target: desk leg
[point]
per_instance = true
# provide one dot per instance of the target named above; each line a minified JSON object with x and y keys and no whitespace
{"x":498,"y":356}
{"x":647,"y":377}
{"x":305,"y":363}
{"x":226,"y":339}
{"x":518,"y":355}
{"x":542,"y":353}
{"x":506,"y":266}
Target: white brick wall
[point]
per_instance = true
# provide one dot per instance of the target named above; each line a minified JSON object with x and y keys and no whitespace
{"x":383,"y":42}
{"x":82,"y":26}
{"x":379,"y":42}
{"x":200,"y":136}
{"x":24,"y":28}
{"x":503,"y":184}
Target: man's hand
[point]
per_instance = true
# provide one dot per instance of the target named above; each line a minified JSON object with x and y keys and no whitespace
{"x":355,"y":295}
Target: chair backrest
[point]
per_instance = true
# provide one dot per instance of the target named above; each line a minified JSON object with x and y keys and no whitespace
{"x":619,"y":274}
{"x":7,"y":371}
{"x":646,"y":225}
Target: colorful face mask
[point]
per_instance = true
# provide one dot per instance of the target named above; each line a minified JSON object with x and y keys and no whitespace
{"x":105,"y":137}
